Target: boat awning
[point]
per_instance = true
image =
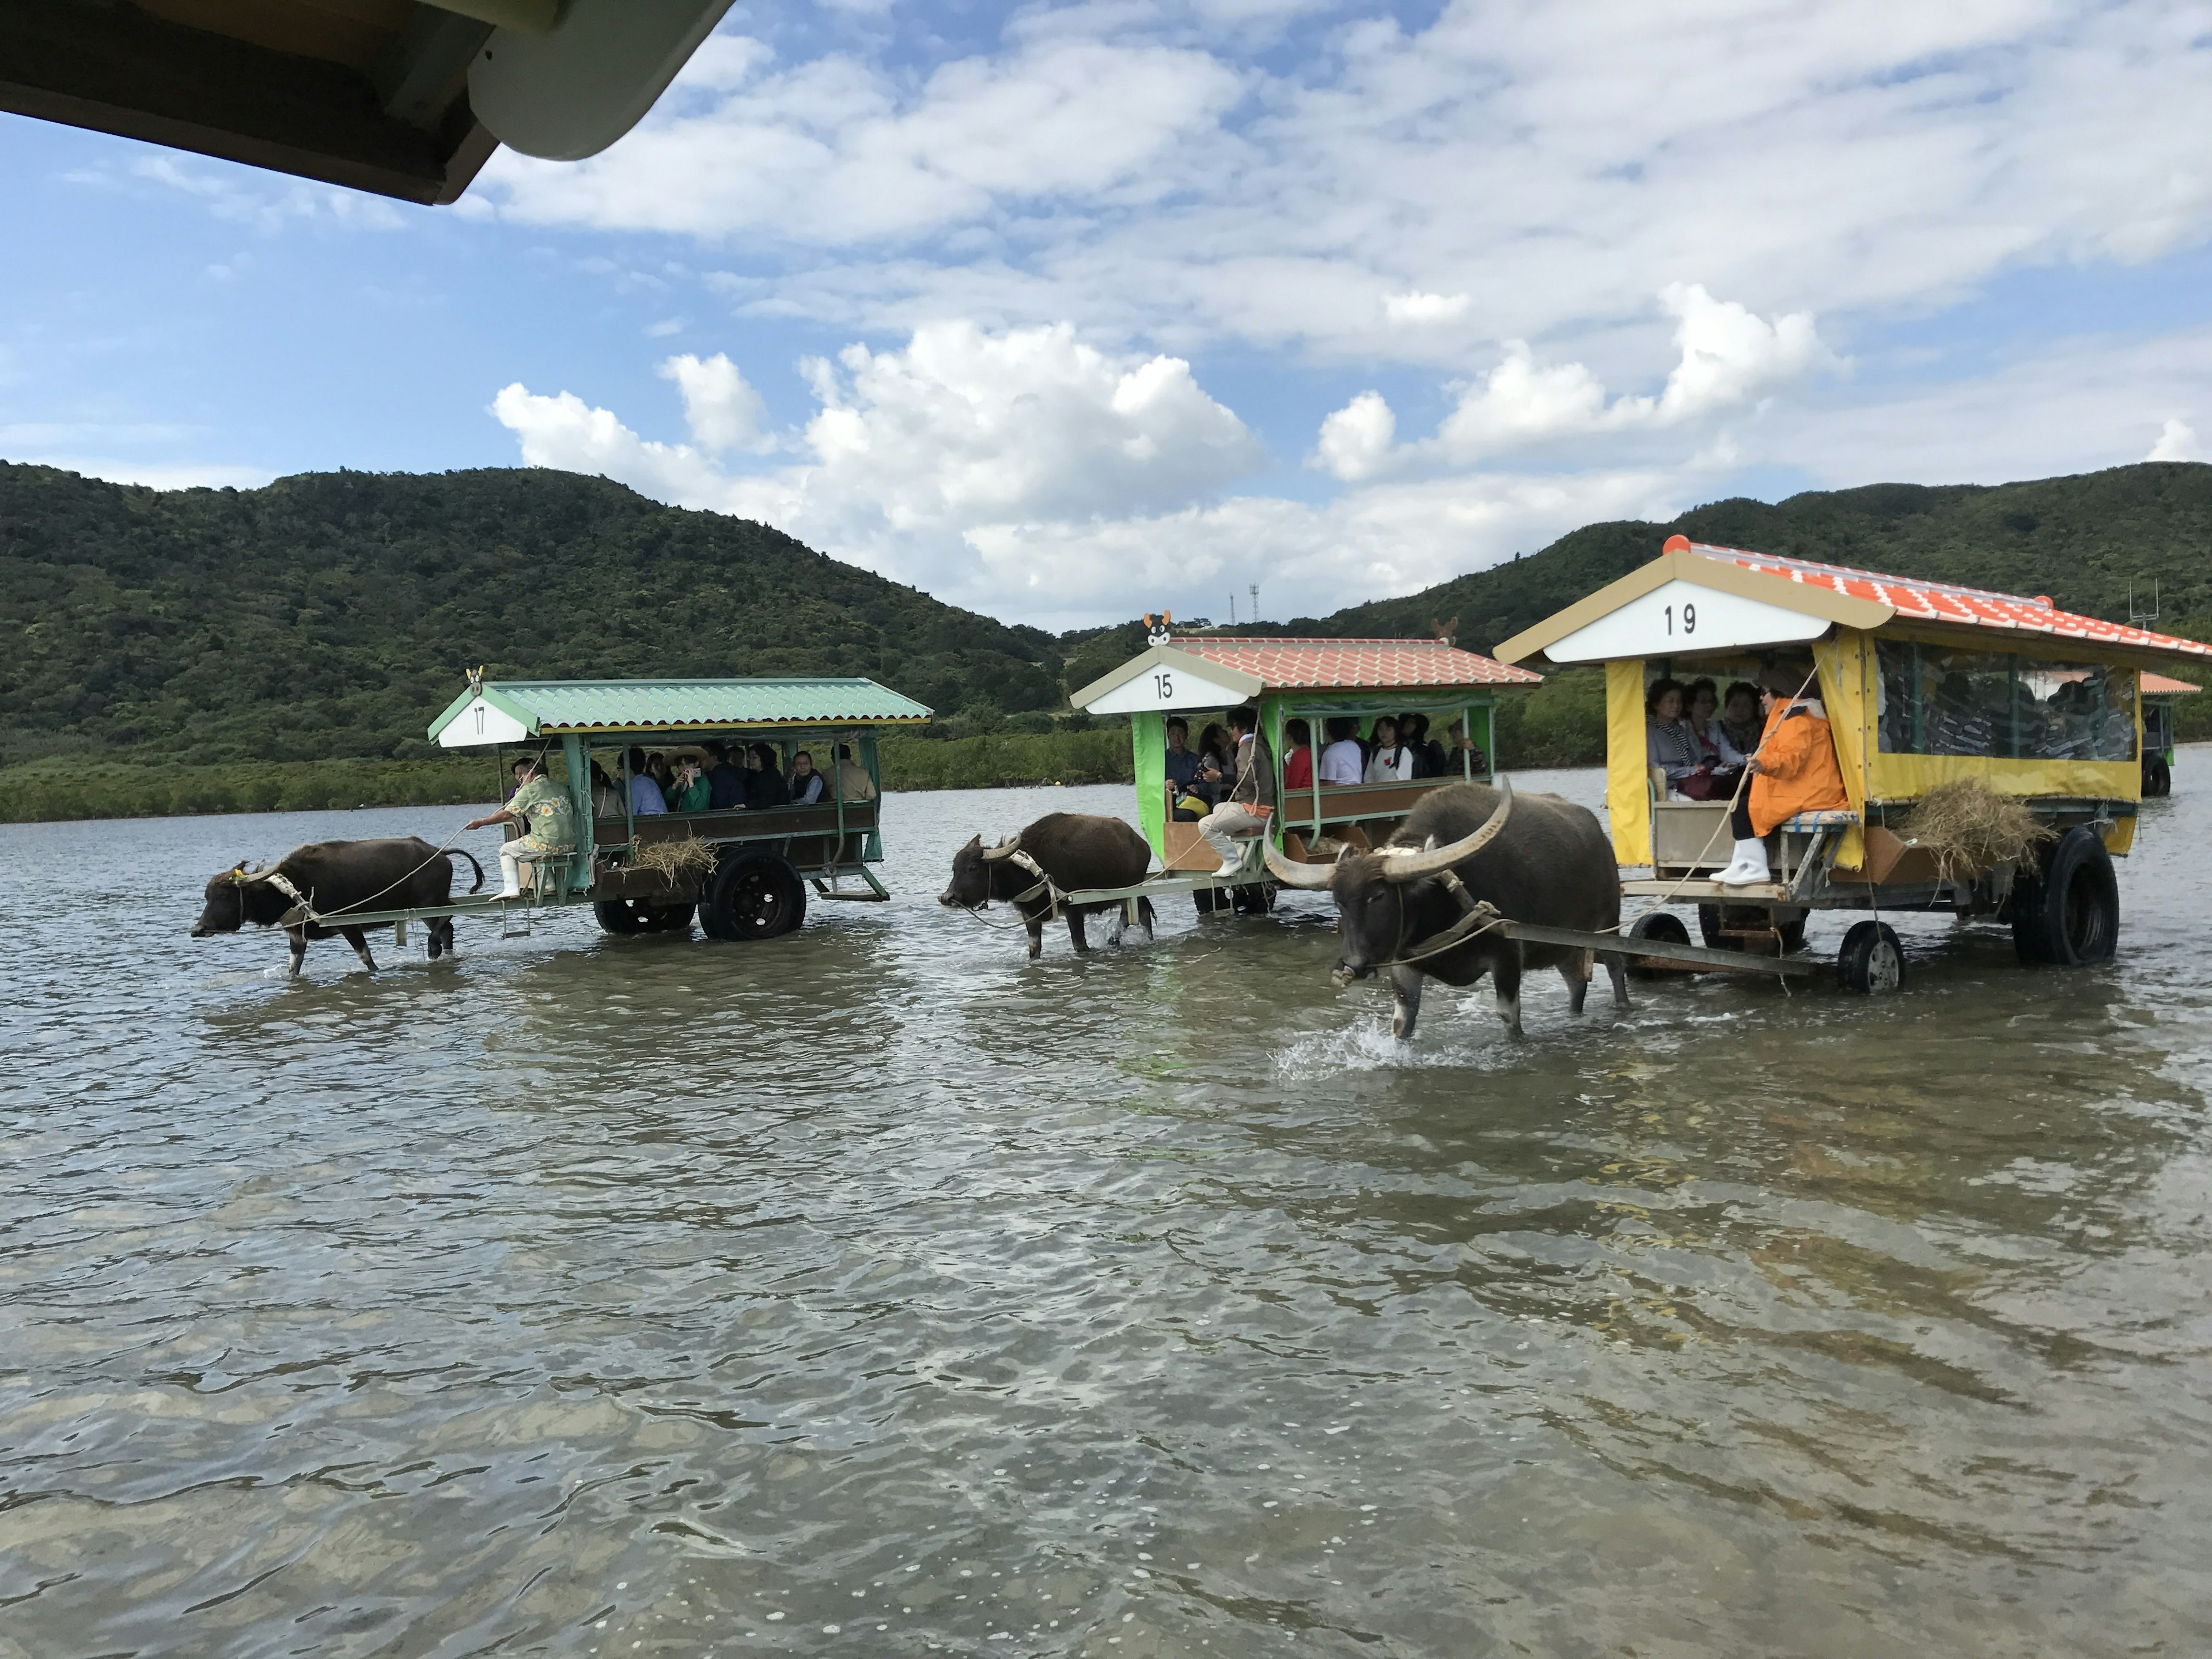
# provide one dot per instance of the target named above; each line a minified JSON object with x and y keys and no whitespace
{"x":514,"y":711}
{"x":1213,"y":673}
{"x":1696,"y":597}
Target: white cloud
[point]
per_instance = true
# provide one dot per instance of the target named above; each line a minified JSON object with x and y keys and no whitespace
{"x":2176,"y":441}
{"x":1356,"y":439}
{"x":721,"y":408}
{"x":1727,"y":356}
{"x":267,"y":205}
{"x":838,"y":151}
{"x":910,"y":451}
{"x":1418,"y":308}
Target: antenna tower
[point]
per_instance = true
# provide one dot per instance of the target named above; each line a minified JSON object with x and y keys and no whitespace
{"x":2139,"y":618}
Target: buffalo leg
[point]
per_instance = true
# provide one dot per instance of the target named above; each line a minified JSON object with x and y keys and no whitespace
{"x":1505,"y":975}
{"x":1406,"y":1001}
{"x":1145,"y":915}
{"x":359,"y":940}
{"x":1118,"y":925}
{"x":298,"y":936}
{"x":1617,"y":965}
{"x":1036,"y":937}
{"x":1576,"y":970}
{"x":1075,"y":932}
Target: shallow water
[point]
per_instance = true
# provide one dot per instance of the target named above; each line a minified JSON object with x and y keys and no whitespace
{"x":873,"y":1291}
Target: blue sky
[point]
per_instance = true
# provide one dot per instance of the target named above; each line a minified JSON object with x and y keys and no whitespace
{"x":1067,"y":313}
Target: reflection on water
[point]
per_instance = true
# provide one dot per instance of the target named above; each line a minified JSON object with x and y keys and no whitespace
{"x":871,"y":1291}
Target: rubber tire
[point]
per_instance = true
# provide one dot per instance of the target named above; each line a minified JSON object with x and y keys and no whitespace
{"x":1665,"y":927}
{"x":1872,"y":960}
{"x":1713,"y":918}
{"x":1209,"y":900}
{"x":672,"y":918}
{"x":2067,"y":914}
{"x":754,"y":897}
{"x":2157,"y":777}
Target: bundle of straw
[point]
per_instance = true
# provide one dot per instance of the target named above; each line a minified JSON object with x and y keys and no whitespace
{"x":1970,"y":827}
{"x":672,"y":860}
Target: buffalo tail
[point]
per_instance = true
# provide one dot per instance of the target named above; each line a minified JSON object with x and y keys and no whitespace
{"x":462,"y":853}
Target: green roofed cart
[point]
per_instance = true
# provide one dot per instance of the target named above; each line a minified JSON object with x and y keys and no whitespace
{"x":744,"y":874}
{"x":1313,"y":680}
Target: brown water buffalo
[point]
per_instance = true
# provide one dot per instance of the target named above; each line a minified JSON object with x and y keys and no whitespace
{"x":1060,"y":852}
{"x":334,"y":877}
{"x":1534,"y":858}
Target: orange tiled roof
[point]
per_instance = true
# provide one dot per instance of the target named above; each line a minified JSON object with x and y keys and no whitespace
{"x":1315,"y":664}
{"x":2160,"y":685}
{"x":1946,"y":602}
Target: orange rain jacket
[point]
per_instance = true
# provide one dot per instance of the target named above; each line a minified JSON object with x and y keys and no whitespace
{"x":1797,"y":768}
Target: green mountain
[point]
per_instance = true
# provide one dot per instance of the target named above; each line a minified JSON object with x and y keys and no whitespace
{"x":2082,"y":540}
{"x":333,"y":614}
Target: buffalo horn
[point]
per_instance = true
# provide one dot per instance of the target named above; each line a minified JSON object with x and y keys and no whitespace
{"x":1410,"y":865}
{"x":1311,"y":877}
{"x":1004,"y":849}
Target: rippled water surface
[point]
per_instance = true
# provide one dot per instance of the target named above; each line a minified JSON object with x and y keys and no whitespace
{"x":873,"y":1291}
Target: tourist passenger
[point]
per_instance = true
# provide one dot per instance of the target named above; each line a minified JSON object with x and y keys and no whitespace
{"x":1217,"y":764}
{"x":1794,"y":770}
{"x":1703,"y":702}
{"x":1341,"y":761}
{"x":1465,"y":753}
{"x":726,"y":784}
{"x":688,"y":791}
{"x":852,"y":779}
{"x":764,"y":778}
{"x":1298,"y":759}
{"x":1392,"y":762}
{"x":1428,"y":753}
{"x":606,"y":797}
{"x":656,"y":768}
{"x":1669,"y":743}
{"x":1736,"y":734}
{"x":1180,"y":767}
{"x":548,"y":827}
{"x":805,"y":784}
{"x":1251,"y":798}
{"x":646,"y":799}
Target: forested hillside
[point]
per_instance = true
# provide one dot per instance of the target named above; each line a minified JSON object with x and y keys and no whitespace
{"x":2082,"y":540}
{"x":333,"y":614}
{"x":204,"y":649}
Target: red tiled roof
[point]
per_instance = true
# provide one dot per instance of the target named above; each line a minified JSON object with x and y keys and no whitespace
{"x":1296,"y":665}
{"x":2159,"y":685}
{"x":1945,"y":602}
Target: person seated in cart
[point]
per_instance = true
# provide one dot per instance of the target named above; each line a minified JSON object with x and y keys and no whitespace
{"x":725,"y":783}
{"x":646,"y":799}
{"x":852,"y":779}
{"x":1298,"y":755}
{"x":1342,"y":761}
{"x":548,"y":829}
{"x":805,"y":784}
{"x":1251,"y":798}
{"x":1793,"y":771}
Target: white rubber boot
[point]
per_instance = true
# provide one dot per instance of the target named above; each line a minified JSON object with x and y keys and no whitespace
{"x":1749,"y":867}
{"x":510,"y":877}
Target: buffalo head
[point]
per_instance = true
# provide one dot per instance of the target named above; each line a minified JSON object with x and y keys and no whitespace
{"x":973,"y":868}
{"x":1387,"y":901}
{"x":225,"y":911}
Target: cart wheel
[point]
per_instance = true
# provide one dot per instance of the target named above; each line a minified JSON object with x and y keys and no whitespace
{"x":672,"y":918}
{"x":624,"y":916}
{"x":1872,"y":962}
{"x":2068,"y":913}
{"x":2158,"y":776}
{"x":1209,"y":899}
{"x":1715,"y":919}
{"x":1663,"y":926}
{"x":759,"y":897}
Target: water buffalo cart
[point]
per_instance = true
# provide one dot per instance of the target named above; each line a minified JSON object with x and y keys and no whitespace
{"x":746,"y":874}
{"x":1200,"y":677}
{"x":1928,"y":688}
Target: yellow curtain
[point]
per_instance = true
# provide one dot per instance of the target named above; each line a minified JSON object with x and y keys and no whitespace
{"x":1845,"y":661}
{"x":1627,"y":779}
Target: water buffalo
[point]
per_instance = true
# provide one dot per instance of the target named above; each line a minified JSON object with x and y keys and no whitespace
{"x":1534,"y":858}
{"x":335,"y":876}
{"x":1060,"y":852}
